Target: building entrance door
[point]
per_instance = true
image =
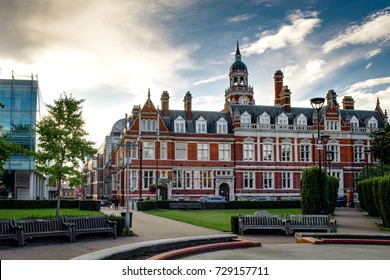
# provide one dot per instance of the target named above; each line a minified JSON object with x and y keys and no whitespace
{"x":224,"y":191}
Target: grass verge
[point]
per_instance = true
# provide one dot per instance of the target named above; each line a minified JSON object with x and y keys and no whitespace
{"x":214,"y":219}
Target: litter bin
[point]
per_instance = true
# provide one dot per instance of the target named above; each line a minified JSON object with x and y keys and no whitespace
{"x":123,"y":214}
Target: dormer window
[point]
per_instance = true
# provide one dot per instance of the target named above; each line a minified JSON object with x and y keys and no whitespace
{"x":222,"y":126}
{"x":301,"y":120}
{"x":201,"y":125}
{"x":264,"y":118}
{"x":246,"y":118}
{"x":354,"y":122}
{"x":372,"y":122}
{"x":282,"y":119}
{"x":180,"y":125}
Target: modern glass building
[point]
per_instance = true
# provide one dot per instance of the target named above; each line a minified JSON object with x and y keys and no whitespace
{"x":21,"y":98}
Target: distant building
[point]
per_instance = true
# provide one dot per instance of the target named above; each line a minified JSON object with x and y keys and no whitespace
{"x":100,"y":178}
{"x":21,"y":98}
{"x":244,"y":150}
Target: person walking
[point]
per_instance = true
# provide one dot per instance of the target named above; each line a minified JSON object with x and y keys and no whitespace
{"x":116,"y":203}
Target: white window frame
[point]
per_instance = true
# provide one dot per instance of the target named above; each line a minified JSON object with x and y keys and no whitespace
{"x":287,"y":180}
{"x":180,"y":125}
{"x":222,"y":126}
{"x":207,"y":180}
{"x":268,"y":151}
{"x":282,"y":119}
{"x":248,"y":149}
{"x":177,"y":178}
{"x":249,"y":180}
{"x":286,"y":151}
{"x":181,"y":150}
{"x":224,"y":151}
{"x":203,"y":151}
{"x":246,"y":118}
{"x":147,"y":150}
{"x":268,"y":180}
{"x":301,"y":120}
{"x":305,"y":152}
{"x":358,"y":153}
{"x":335,"y":148}
{"x":264,"y":119}
{"x":201,"y":125}
{"x":354,"y":122}
{"x":163,"y":150}
{"x":372,"y":123}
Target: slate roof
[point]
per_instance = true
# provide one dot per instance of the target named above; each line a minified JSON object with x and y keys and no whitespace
{"x":210,"y":116}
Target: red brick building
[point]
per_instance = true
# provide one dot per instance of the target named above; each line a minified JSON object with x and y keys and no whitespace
{"x":245,"y":149}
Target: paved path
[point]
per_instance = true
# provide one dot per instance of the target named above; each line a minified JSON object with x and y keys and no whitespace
{"x":149,"y":227}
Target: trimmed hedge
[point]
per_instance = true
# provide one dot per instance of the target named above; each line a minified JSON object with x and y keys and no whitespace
{"x":52,"y":203}
{"x":366,"y":191}
{"x":242,"y":204}
{"x":384,"y":199}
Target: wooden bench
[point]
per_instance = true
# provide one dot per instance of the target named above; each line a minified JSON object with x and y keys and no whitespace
{"x":9,"y":231}
{"x":310,"y":223}
{"x":246,"y":222}
{"x":186,"y":205}
{"x":91,"y":224}
{"x":31,"y":228}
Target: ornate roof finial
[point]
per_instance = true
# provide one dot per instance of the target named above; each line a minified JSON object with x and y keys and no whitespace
{"x":238,"y":54}
{"x":149,"y":97}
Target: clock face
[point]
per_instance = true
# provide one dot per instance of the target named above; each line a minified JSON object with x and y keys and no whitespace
{"x":244,"y":100}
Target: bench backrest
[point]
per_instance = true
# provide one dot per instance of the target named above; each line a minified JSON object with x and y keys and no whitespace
{"x":40,"y":225}
{"x":88,"y":222}
{"x":315,"y":220}
{"x":6,"y":227}
{"x":260,"y":220}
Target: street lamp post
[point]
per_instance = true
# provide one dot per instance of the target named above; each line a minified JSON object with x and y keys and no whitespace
{"x":324,"y":139}
{"x":381,"y":135}
{"x":330,"y":159}
{"x":140,"y":168}
{"x":128,"y":146}
{"x":317,"y":104}
{"x":367,"y":157}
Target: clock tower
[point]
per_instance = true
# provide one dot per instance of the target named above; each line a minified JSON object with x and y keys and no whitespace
{"x":239,"y":92}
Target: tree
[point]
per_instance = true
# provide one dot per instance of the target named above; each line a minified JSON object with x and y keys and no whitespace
{"x":377,"y":142}
{"x":6,"y":148}
{"x":62,"y":144}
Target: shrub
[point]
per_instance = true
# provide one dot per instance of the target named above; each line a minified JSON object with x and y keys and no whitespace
{"x":234,"y":224}
{"x":120,"y":223}
{"x":90,"y":205}
{"x":384,"y":199}
{"x":366,"y":190}
{"x":333,"y":185}
{"x":146,"y":205}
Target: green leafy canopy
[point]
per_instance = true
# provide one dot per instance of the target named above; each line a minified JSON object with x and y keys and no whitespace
{"x":62,"y":143}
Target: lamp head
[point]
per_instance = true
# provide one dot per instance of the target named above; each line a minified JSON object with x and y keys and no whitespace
{"x":317,"y":102}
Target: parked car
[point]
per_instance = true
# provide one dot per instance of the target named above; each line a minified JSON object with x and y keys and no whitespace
{"x":212,"y":199}
{"x":260,"y":198}
{"x":341,"y":202}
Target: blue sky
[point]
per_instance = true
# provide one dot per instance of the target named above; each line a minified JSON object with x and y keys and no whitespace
{"x":111,"y":52}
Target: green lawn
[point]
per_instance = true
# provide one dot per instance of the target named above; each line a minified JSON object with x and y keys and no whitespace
{"x":44,"y":213}
{"x":213,"y":219}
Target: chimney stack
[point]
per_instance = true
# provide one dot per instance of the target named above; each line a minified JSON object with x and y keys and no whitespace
{"x":348,"y":103}
{"x":285,"y":99}
{"x":278,"y":85}
{"x":187,"y":105}
{"x":165,"y":103}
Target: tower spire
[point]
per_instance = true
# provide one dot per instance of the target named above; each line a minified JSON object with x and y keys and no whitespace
{"x":238,"y":54}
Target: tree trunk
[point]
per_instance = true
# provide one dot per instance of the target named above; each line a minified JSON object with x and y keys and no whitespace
{"x":59,"y":189}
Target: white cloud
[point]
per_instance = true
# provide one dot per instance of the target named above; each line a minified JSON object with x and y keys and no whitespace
{"x":301,"y":25}
{"x":374,"y":28}
{"x":210,"y":80}
{"x":313,"y":69}
{"x":240,"y":18}
{"x":373,"y":53}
